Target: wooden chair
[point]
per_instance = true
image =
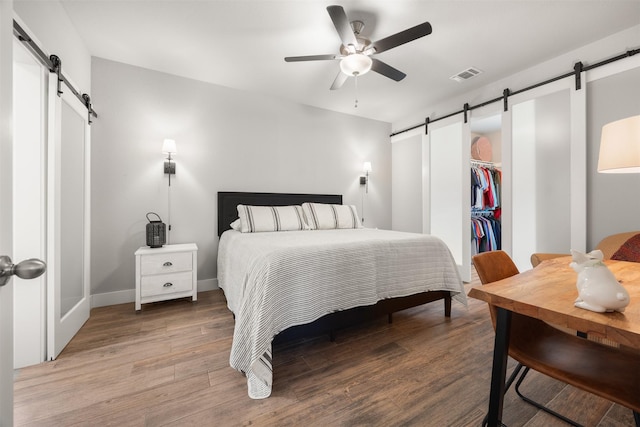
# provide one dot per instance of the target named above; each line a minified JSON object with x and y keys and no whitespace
{"x":611,"y":373}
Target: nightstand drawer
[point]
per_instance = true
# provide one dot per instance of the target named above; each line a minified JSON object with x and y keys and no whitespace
{"x":166,"y":284}
{"x":165,"y":263}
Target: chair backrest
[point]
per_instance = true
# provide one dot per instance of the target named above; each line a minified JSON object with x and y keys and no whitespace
{"x":610,"y":244}
{"x":493,"y":266}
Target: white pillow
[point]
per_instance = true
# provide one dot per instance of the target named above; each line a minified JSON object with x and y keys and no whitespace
{"x":322,"y":216}
{"x":271,"y":218}
{"x":235,"y":224}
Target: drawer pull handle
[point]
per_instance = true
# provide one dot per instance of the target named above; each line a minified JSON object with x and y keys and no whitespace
{"x":168,"y":285}
{"x":167,"y":264}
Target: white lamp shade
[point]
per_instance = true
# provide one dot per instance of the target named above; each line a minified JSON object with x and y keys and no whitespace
{"x":366,"y":167}
{"x":620,"y":146}
{"x":169,"y":146}
{"x":355,"y":64}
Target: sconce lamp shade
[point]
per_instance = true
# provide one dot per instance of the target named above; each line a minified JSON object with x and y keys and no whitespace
{"x":355,"y":64}
{"x":620,"y":146}
{"x":366,"y":167}
{"x":169,"y":146}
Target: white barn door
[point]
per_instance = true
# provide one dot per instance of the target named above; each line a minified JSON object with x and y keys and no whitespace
{"x":68,"y":227}
{"x":448,"y":212}
{"x":546,"y":172}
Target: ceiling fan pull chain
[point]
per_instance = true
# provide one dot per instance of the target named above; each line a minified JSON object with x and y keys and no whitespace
{"x":355,"y":77}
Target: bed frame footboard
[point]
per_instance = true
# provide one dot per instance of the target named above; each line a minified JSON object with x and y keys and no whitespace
{"x":333,"y":322}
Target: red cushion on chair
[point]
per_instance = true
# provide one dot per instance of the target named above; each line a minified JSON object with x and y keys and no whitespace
{"x":629,"y":251}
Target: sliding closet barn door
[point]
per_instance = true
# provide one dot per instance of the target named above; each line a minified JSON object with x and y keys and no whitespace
{"x":447,"y":160}
{"x":68,"y":297}
{"x":546,"y":173}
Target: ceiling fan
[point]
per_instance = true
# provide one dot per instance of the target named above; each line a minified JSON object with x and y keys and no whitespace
{"x":356,"y":51}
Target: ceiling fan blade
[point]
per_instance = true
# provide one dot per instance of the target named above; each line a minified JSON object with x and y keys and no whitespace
{"x":341,"y":22}
{"x":311,"y":58}
{"x":402,"y":37}
{"x":339,"y":81}
{"x":387,"y":70}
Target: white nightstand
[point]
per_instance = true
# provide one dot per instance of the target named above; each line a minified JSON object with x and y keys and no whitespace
{"x":166,"y":273}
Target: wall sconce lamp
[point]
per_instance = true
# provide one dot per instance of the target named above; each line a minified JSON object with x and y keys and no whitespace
{"x":620,"y":146}
{"x":364,"y":180}
{"x":169,"y":148}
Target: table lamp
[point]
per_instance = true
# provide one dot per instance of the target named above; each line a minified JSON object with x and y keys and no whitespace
{"x":620,"y":146}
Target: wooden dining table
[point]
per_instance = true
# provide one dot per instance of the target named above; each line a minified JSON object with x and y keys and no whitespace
{"x":548,"y":292}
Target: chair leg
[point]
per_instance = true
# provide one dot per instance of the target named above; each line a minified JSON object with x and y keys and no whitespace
{"x":540,"y":406}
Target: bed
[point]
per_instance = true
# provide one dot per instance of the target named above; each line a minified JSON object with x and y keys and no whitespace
{"x":312,"y":281}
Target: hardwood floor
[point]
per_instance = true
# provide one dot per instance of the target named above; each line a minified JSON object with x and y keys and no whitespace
{"x":169,"y":366}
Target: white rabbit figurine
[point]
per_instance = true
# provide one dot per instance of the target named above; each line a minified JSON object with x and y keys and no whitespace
{"x":598,"y":289}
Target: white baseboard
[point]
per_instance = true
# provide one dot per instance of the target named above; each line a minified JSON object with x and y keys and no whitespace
{"x":129,"y":295}
{"x":113,"y":298}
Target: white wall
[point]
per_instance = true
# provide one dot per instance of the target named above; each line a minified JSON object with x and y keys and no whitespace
{"x":227,"y":140}
{"x":406,"y":180}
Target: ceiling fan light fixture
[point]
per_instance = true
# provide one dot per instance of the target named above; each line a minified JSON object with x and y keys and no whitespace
{"x":356,"y":64}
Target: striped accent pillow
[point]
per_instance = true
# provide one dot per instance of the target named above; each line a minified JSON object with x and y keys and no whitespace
{"x":271,"y":218}
{"x":322,"y":216}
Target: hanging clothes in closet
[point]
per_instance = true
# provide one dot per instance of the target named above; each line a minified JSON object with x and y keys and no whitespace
{"x":486,"y":231}
{"x":485,"y":187}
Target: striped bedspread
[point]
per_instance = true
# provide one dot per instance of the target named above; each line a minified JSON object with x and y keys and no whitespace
{"x":273,"y":281}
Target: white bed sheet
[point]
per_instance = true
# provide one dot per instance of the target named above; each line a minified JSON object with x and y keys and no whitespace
{"x":273,"y":281}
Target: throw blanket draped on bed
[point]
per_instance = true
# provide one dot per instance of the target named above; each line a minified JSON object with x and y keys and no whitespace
{"x":273,"y":281}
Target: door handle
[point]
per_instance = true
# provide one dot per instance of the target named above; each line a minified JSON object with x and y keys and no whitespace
{"x":27,"y":269}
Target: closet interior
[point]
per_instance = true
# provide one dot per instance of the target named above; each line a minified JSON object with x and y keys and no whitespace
{"x":486,"y":184}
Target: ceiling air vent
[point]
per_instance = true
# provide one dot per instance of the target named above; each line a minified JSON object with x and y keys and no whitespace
{"x":466,"y":74}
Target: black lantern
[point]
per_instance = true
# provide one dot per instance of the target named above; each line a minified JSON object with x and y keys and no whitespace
{"x":156,"y":232}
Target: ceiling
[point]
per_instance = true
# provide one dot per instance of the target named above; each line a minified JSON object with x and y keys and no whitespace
{"x":242,"y":43}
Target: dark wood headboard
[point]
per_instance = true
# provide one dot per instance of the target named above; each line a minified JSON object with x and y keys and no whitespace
{"x":228,"y":202}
